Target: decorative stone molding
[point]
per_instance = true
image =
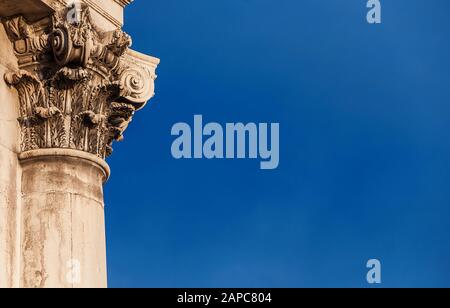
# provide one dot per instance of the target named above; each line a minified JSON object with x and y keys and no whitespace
{"x":78,"y":87}
{"x":74,"y":154}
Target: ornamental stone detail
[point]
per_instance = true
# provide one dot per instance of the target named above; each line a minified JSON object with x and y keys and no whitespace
{"x":78,"y":86}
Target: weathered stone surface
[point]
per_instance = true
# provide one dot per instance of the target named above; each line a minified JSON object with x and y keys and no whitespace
{"x":30,"y":9}
{"x":78,"y":87}
{"x":9,"y":170}
{"x":70,"y":89}
{"x":62,"y":219}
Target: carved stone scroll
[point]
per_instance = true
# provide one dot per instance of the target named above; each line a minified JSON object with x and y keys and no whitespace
{"x":78,"y":87}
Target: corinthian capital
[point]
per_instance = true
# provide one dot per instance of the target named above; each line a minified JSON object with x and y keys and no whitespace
{"x":78,"y":86}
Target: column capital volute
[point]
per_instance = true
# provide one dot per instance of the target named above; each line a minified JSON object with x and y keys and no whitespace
{"x":78,"y":86}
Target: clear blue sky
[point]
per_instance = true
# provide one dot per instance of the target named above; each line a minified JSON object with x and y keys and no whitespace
{"x":364,"y":170}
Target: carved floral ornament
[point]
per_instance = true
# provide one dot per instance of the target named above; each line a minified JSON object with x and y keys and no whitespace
{"x":78,"y":86}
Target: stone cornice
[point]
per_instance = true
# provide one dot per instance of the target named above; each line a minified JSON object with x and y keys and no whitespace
{"x":60,"y":3}
{"x":40,"y":7}
{"x":95,"y":6}
{"x":78,"y":87}
{"x":124,"y":3}
{"x":104,"y":13}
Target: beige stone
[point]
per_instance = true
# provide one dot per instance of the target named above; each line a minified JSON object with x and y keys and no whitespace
{"x":62,"y":219}
{"x":9,"y":170}
{"x":69,"y":91}
{"x":30,"y":9}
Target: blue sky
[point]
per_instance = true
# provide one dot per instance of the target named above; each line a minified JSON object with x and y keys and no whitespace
{"x":364,"y":113}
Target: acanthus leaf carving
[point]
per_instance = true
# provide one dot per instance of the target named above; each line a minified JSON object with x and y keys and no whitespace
{"x":17,"y":28}
{"x":78,"y":87}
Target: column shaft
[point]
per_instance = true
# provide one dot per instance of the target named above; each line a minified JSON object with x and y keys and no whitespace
{"x":63,"y":236}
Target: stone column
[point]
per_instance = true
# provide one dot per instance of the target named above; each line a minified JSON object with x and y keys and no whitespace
{"x":9,"y":170}
{"x":78,"y":88}
{"x":63,"y":237}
